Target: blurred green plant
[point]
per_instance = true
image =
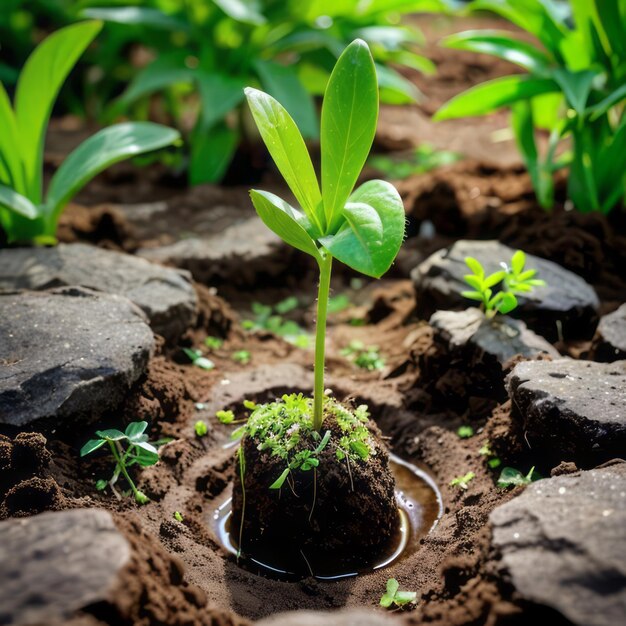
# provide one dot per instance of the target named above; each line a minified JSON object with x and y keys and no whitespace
{"x":422,"y":159}
{"x":575,"y":88}
{"x":288,"y":48}
{"x":27,"y":215}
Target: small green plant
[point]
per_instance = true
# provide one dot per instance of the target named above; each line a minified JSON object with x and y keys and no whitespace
{"x":242,"y":356}
{"x":511,"y":477}
{"x":492,"y":460}
{"x":465,"y":432}
{"x":213,"y":343}
{"x":27,"y":215}
{"x":270,"y":318}
{"x":364,"y":228}
{"x":225,"y":417}
{"x":423,"y":159}
{"x":514,"y":279}
{"x":178,"y":516}
{"x":198,"y":359}
{"x":364,"y":357}
{"x":462,"y":482}
{"x":200,"y":428}
{"x":128,"y":448}
{"x":575,"y":88}
{"x":393,"y":595}
{"x":339,"y":303}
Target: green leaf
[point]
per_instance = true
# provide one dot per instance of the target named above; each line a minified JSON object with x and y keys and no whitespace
{"x":10,"y":157}
{"x":360,"y":449}
{"x":278,"y":483}
{"x":289,"y":152}
{"x":475,"y":266}
{"x":611,"y":21}
{"x":135,"y":430}
{"x":40,"y":81}
{"x":288,"y":223}
{"x":576,"y":86}
{"x":349,"y":115}
{"x":493,"y":279}
{"x":91,"y":446}
{"x":147,"y":454}
{"x":111,"y":434}
{"x":494,"y":94}
{"x":518,"y":261}
{"x":388,"y":597}
{"x":405,"y":597}
{"x":500,"y":44}
{"x":219,"y":94}
{"x":507,"y":303}
{"x":101,"y":150}
{"x":246,"y":11}
{"x":394,"y":88}
{"x":142,"y":16}
{"x":282,"y":83}
{"x":473,"y":295}
{"x":599,"y":109}
{"x":373,"y":231}
{"x":473,"y":281}
{"x":18,"y":203}
{"x":212,"y":151}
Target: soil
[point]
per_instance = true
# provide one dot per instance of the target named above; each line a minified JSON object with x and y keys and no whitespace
{"x":179,"y":572}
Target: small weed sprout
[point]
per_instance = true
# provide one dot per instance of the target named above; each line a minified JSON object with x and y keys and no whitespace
{"x":225,"y":417}
{"x":514,"y":280}
{"x":178,"y":516}
{"x":492,"y":460}
{"x":462,"y":482}
{"x":270,"y":318}
{"x":213,"y":343}
{"x":197,"y":358}
{"x":242,"y":356}
{"x":128,"y":448}
{"x":511,"y":477}
{"x":364,"y":357}
{"x":465,"y":432}
{"x":393,"y":595}
{"x":201,"y":428}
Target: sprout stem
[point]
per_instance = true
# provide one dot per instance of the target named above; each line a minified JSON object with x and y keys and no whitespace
{"x":320,"y":340}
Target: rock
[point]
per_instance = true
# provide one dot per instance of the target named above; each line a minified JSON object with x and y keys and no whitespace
{"x":500,"y":338}
{"x":164,"y":294}
{"x":68,"y":352}
{"x":239,"y":255}
{"x":574,"y":409}
{"x":563,"y":544}
{"x":54,"y":564}
{"x":609,"y":343}
{"x":567,"y":306}
{"x":345,"y":617}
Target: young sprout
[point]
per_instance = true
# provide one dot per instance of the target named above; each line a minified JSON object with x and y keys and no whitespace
{"x":514,"y":279}
{"x":492,"y":460}
{"x":213,"y":343}
{"x":365,"y":357}
{"x":225,"y":417}
{"x":242,"y":356}
{"x":271,"y":319}
{"x":393,"y":595}
{"x":465,"y":432}
{"x":178,"y":516}
{"x":364,"y":228}
{"x":128,"y":448}
{"x":201,"y":428}
{"x":198,"y":360}
{"x":462,"y":482}
{"x":511,"y":477}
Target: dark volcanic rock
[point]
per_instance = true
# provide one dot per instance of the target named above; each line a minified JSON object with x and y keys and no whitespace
{"x":574,"y":409}
{"x":239,"y":255}
{"x":563,"y":544}
{"x":54,"y":564}
{"x":609,"y":343}
{"x":68,"y":352}
{"x":567,"y":305}
{"x":164,"y":294}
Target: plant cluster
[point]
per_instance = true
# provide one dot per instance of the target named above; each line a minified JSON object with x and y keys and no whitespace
{"x":198,"y":359}
{"x":511,"y":477}
{"x":393,"y":595}
{"x":364,"y":357}
{"x":128,"y":448}
{"x":271,"y":318}
{"x":26,"y":213}
{"x":575,"y":88}
{"x":422,"y":159}
{"x":514,"y":280}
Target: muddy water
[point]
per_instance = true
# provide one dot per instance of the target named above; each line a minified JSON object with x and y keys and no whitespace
{"x":419,"y":508}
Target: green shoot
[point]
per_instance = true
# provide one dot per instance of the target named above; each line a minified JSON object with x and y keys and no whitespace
{"x":200,"y":428}
{"x":364,"y":357}
{"x":511,"y":477}
{"x":364,"y":228}
{"x":196,"y":357}
{"x":225,"y":417}
{"x":242,"y":356}
{"x":424,"y":158}
{"x":492,"y":460}
{"x":462,"y":482}
{"x":128,"y":448}
{"x":250,"y":405}
{"x":393,"y":595}
{"x":465,"y":432}
{"x":178,"y":516}
{"x":213,"y":343}
{"x":267,"y":318}
{"x":514,"y":280}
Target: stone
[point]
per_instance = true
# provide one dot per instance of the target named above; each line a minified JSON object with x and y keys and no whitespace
{"x":574,"y":409}
{"x":565,"y":308}
{"x":68,"y":353}
{"x":166,"y":295}
{"x":609,"y":343}
{"x":239,"y":255}
{"x":56,"y":563}
{"x":563,"y":544}
{"x":345,"y":617}
{"x":501,"y":337}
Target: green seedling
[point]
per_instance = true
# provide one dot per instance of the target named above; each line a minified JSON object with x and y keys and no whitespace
{"x":574,"y":87}
{"x":511,"y":477}
{"x":365,"y":357}
{"x":128,"y":448}
{"x":268,"y":318}
{"x":424,"y":158}
{"x":513,"y":279}
{"x":339,"y":303}
{"x":465,"y":432}
{"x":178,"y":516}
{"x":242,"y":356}
{"x":492,"y":460}
{"x":198,"y":359}
{"x":362,"y":228}
{"x":200,"y":428}
{"x":213,"y":343}
{"x":462,"y":482}
{"x":250,"y":405}
{"x":393,"y":595}
{"x":27,"y":214}
{"x":225,"y":417}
